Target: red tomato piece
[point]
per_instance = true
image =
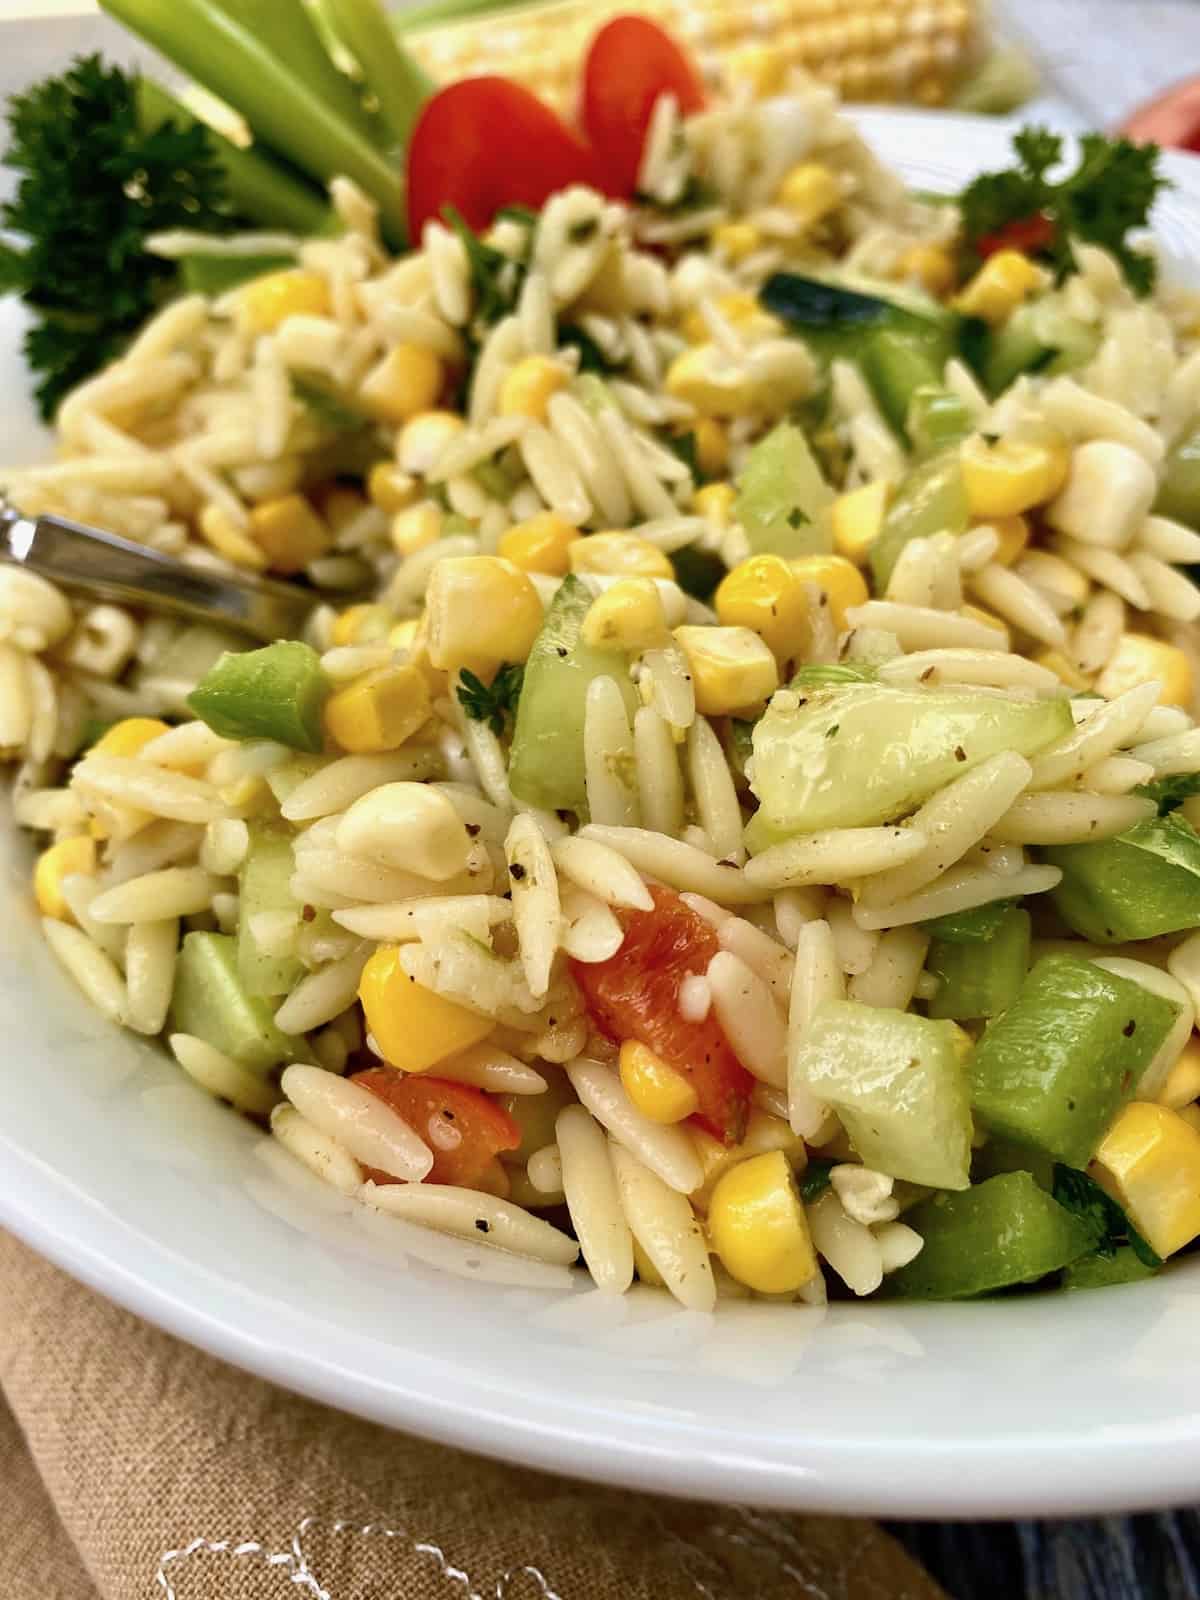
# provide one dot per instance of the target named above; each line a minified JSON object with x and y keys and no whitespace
{"x":635,"y":995}
{"x":1028,"y":235}
{"x":484,"y":143}
{"x":1172,"y":120}
{"x":630,"y":63}
{"x":465,"y":1129}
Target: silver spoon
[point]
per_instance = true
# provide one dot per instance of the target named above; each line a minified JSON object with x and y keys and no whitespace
{"x":111,"y":568}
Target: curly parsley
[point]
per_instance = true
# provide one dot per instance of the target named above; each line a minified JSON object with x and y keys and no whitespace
{"x":494,"y":703}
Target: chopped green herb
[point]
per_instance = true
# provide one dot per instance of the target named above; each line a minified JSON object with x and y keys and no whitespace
{"x":797,"y":518}
{"x":581,"y":232}
{"x":520,"y":214}
{"x":1076,"y":1192}
{"x":330,"y":409}
{"x":493,"y":703}
{"x":1170,"y":793}
{"x":591,"y":357}
{"x":815,"y":1179}
{"x":495,"y":277}
{"x":696,"y":195}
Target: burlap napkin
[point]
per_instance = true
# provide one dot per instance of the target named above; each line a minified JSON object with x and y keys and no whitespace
{"x":134,"y":1467}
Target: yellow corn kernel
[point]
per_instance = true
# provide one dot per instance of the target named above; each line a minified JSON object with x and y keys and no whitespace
{"x":856,"y":519}
{"x":481,"y":611}
{"x":219,"y":530}
{"x":406,"y":382}
{"x":736,"y":240}
{"x":389,"y":488}
{"x":289,"y":532}
{"x":988,"y":618}
{"x":527,"y":389}
{"x":365,"y":624}
{"x":646,"y":1271}
{"x":732,"y":668}
{"x":1010,"y":476}
{"x":627,"y":616}
{"x":416,"y":527}
{"x":1183,"y":1080}
{"x":620,"y":555}
{"x":339,"y":505}
{"x":757,"y":1226}
{"x":930,"y":265}
{"x":128,"y":737}
{"x":1140,"y":658}
{"x":60,"y":861}
{"x":540,"y":544}
{"x":424,"y":438}
{"x":1014,"y":537}
{"x":413,"y":1027}
{"x":715,"y":502}
{"x":810,"y":192}
{"x":264,"y":303}
{"x":838,"y":579}
{"x":761,"y":68}
{"x":1063,"y":669}
{"x":738,"y":307}
{"x":1149,"y":1161}
{"x":998,"y":288}
{"x":764,"y":593}
{"x":712,"y":446}
{"x":704,"y":377}
{"x":657,"y":1089}
{"x":378,"y":711}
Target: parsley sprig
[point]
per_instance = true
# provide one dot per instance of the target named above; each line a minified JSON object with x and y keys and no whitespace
{"x":492,"y":703}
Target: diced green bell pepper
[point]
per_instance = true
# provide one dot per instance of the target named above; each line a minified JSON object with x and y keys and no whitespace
{"x":210,"y":1001}
{"x":1102,"y":1272}
{"x":1140,"y":884}
{"x":983,"y":979}
{"x":264,"y":884}
{"x":1053,"y":1071}
{"x":783,"y":501}
{"x":969,"y":927}
{"x":273,"y":693}
{"x":930,"y":500}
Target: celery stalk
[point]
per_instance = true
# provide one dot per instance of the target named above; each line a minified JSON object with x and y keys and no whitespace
{"x":415,"y":18}
{"x":399,"y":85}
{"x":262,"y":190}
{"x":288,"y":112}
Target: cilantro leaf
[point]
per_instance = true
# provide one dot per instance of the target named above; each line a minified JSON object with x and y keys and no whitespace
{"x":493,"y":703}
{"x":495,"y":277}
{"x":814,"y":1180}
{"x":1170,"y":793}
{"x":696,"y":195}
{"x":1078,"y":1193}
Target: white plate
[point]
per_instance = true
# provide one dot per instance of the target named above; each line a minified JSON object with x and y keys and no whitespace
{"x":135,"y":1182}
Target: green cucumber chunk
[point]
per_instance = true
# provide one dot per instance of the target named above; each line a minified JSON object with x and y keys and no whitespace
{"x":936,"y":420}
{"x":212,"y":274}
{"x":211,"y":1002}
{"x":264,"y":884}
{"x":1140,"y":884}
{"x":1053,"y":1071}
{"x":1038,"y":337}
{"x":1098,"y":1271}
{"x":969,"y":927}
{"x":783,"y":501}
{"x":839,"y":319}
{"x":930,"y":500}
{"x":997,"y":1234}
{"x":981,"y":979}
{"x":273,"y":693}
{"x":898,"y":365}
{"x":861,"y":754}
{"x":545,"y":765}
{"x":1179,"y":492}
{"x":897,"y":1083}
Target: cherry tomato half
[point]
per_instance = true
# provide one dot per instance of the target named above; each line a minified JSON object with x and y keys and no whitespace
{"x":630,"y":63}
{"x":465,"y":1128}
{"x":1027,"y":234}
{"x":1172,"y":120}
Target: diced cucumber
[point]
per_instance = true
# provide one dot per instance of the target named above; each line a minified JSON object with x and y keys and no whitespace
{"x":1038,"y":337}
{"x":783,"y":501}
{"x":937,"y":419}
{"x":210,"y":1002}
{"x":1053,"y":1071}
{"x":836,"y":319}
{"x":545,"y":766}
{"x":981,"y":979}
{"x":1097,"y":1271}
{"x":1179,"y":494}
{"x":273,"y":693}
{"x":860,"y":754}
{"x":897,"y":1083}
{"x":212,"y":274}
{"x":969,"y":927}
{"x":997,"y":1234}
{"x":930,"y":500}
{"x":1136,"y":886}
{"x":897,"y":365}
{"x":264,"y":884}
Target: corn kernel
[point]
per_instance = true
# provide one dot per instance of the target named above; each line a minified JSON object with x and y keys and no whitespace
{"x":61,"y":860}
{"x":406,"y":382}
{"x":1182,"y":1085}
{"x":424,"y":438}
{"x":1063,"y":669}
{"x":930,"y":265}
{"x":289,"y":532}
{"x":481,"y":612}
{"x":390,"y":488}
{"x":715,"y":502}
{"x":758,"y":67}
{"x":1149,"y":1161}
{"x":810,"y":192}
{"x":657,"y":1089}
{"x":705,"y":377}
{"x":527,"y":390}
{"x":1140,"y":658}
{"x":757,"y":1226}
{"x":732,"y":668}
{"x":339,"y":504}
{"x":227,"y":539}
{"x":712,"y":446}
{"x":413,"y":1027}
{"x":378,"y":711}
{"x":129,"y":736}
{"x":736,"y":240}
{"x":364,"y":624}
{"x":265,"y":302}
{"x":838,"y":579}
{"x":1014,"y":536}
{"x":620,"y":555}
{"x":1010,"y":476}
{"x":627,"y":616}
{"x":540,"y":544}
{"x":764,"y":593}
{"x":739,"y":308}
{"x":998,"y":288}
{"x":857,"y":519}
{"x":416,"y":528}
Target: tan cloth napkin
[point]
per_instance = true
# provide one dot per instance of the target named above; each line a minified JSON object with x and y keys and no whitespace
{"x":135,"y":1467}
